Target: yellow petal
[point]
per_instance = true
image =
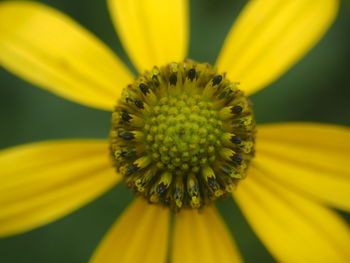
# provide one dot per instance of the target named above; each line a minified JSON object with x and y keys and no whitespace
{"x":41,"y":182}
{"x":48,"y":49}
{"x":293,"y":228}
{"x":139,"y":235}
{"x":153,"y":32}
{"x":202,"y":237}
{"x":272,"y":35}
{"x":310,"y":158}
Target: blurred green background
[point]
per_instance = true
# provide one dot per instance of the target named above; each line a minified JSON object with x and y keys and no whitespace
{"x":316,"y":89}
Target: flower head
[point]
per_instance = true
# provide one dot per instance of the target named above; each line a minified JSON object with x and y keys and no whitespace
{"x":182,"y":135}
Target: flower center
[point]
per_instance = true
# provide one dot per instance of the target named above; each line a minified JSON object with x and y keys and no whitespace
{"x":182,"y":135}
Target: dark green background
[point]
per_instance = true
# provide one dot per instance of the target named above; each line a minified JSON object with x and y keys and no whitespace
{"x":316,"y":89}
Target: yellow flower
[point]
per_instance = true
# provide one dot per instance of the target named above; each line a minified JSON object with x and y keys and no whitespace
{"x":300,"y":170}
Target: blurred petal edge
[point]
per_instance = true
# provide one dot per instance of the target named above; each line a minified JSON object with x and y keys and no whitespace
{"x":42,"y":182}
{"x":50,"y":50}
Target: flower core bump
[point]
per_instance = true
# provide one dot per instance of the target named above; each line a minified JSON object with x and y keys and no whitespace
{"x":182,"y":135}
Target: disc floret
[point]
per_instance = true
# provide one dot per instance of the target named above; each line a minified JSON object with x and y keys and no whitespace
{"x":182,"y":135}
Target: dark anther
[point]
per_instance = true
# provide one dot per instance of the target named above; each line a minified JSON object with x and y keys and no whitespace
{"x":128,"y":99}
{"x":236,"y":109}
{"x":212,"y":182}
{"x":143,"y":87}
{"x":155,"y":80}
{"x":126,"y":135}
{"x":125,"y":116}
{"x":129,"y":152}
{"x":132,"y":169}
{"x":226,"y":169}
{"x":178,"y":192}
{"x":161,"y":188}
{"x":143,"y":183}
{"x":223,"y":95}
{"x":139,"y":104}
{"x":173,"y":79}
{"x":236,"y":139}
{"x":191,"y":74}
{"x":195,"y":190}
{"x":123,"y":154}
{"x":217,"y":79}
{"x":237,"y":158}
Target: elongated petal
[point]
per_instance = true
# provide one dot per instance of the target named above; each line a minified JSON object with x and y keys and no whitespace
{"x":139,"y":235}
{"x":153,"y":32}
{"x":293,"y":228}
{"x":41,"y":182}
{"x":202,"y":237}
{"x":270,"y":36}
{"x":310,"y":158}
{"x":48,"y":49}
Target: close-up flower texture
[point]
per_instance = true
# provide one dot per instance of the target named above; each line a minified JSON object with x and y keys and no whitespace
{"x":183,"y":134}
